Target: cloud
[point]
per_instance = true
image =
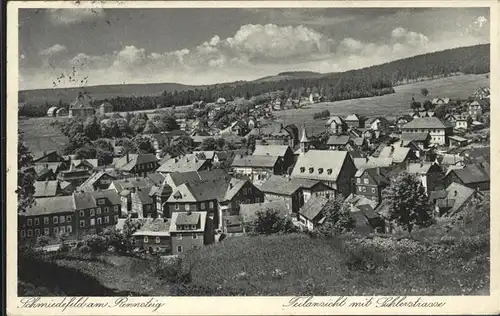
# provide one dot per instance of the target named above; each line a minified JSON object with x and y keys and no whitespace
{"x":53,"y":50}
{"x":478,"y":27}
{"x":412,"y":38}
{"x":72,"y":16}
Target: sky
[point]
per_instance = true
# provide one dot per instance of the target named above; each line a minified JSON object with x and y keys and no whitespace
{"x":78,"y":47}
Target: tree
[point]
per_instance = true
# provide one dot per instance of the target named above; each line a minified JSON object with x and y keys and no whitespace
{"x":407,"y":202}
{"x":96,"y":243}
{"x":208,"y":144}
{"x":424,"y":92}
{"x":168,"y":122}
{"x":415,"y":105}
{"x":116,"y":239}
{"x":428,"y":105}
{"x":150,"y":128}
{"x":270,"y":221}
{"x":143,"y":145}
{"x":26,"y":176}
{"x":92,"y":128}
{"x":338,"y":219}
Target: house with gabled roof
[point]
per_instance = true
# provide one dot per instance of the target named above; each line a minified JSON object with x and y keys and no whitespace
{"x":284,"y":152}
{"x":95,"y":210}
{"x":398,"y":154}
{"x":153,"y":235}
{"x":370,"y":183}
{"x":312,"y":213}
{"x":456,"y":197}
{"x":294,"y":192}
{"x":475,"y":176}
{"x":190,"y":230}
{"x":431,"y":174}
{"x":482,"y":93}
{"x":184,"y":163}
{"x":333,"y":168}
{"x":474,"y":109}
{"x":75,"y":176}
{"x":99,"y":180}
{"x":257,"y":168}
{"x":421,"y":139}
{"x":47,"y":156}
{"x":142,"y":203}
{"x":137,"y":164}
{"x":45,"y":172}
{"x":340,"y":142}
{"x":85,"y":164}
{"x":432,"y":125}
{"x":47,"y":188}
{"x":336,"y":125}
{"x":440,"y":101}
{"x":353,"y":120}
{"x":175,"y":179}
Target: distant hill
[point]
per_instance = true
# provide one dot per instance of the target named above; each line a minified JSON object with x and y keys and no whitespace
{"x":101,"y":92}
{"x":290,"y":75}
{"x":359,"y":83}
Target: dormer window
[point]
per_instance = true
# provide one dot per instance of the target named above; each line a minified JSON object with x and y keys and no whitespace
{"x":100,"y":201}
{"x":302,"y":169}
{"x":311,"y":170}
{"x":320,"y":170}
{"x":329,"y":171}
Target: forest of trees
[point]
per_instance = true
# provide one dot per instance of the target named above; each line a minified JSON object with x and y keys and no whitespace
{"x":366,"y":82}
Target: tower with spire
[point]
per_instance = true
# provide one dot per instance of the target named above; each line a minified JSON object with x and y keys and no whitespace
{"x":304,"y":141}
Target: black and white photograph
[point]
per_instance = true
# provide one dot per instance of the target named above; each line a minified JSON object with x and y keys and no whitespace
{"x":253,"y":151}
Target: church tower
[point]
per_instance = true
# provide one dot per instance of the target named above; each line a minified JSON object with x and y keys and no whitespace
{"x":304,"y":141}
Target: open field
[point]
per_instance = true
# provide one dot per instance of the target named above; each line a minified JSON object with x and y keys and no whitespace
{"x":390,"y":105}
{"x":40,"y":135}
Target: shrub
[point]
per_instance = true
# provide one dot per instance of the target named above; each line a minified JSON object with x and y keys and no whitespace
{"x":270,"y":221}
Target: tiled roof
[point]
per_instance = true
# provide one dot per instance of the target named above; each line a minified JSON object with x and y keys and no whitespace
{"x":182,"y":177}
{"x":80,"y":162}
{"x":425,"y":123}
{"x":285,"y":185}
{"x":156,"y":178}
{"x":472,"y":174}
{"x":313,"y":207}
{"x":419,"y":168}
{"x":335,"y":119}
{"x":255,"y":161}
{"x":352,"y":117}
{"x":182,"y":164}
{"x":379,"y":179}
{"x":367,"y":211}
{"x":129,"y":183}
{"x":143,"y":195}
{"x":320,"y":164}
{"x":41,"y":168}
{"x":51,"y":205}
{"x":372,"y":162}
{"x":154,"y":227}
{"x":134,"y":159}
{"x":460,"y":194}
{"x":37,"y":155}
{"x":418,"y":137}
{"x":88,"y":184}
{"x":270,"y":150}
{"x":233,"y":188}
{"x":46,"y":188}
{"x":85,"y":200}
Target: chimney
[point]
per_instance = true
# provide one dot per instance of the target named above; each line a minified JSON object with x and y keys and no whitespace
{"x":189,"y":212}
{"x":230,"y":186}
{"x":366,"y":158}
{"x":421,"y":164}
{"x":128,"y":157}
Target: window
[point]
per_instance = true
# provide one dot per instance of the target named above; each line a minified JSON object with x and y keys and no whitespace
{"x":203,"y":205}
{"x":157,"y":240}
{"x":98,"y":211}
{"x":68,"y":219}
{"x":364,"y":189}
{"x":116,"y":208}
{"x":46,"y":220}
{"x":30,"y":233}
{"x":358,"y":180}
{"x":186,"y":206}
{"x":56,"y":230}
{"x":55,"y":220}
{"x":37,"y":232}
{"x":211,"y":205}
{"x":99,"y":220}
{"x":30,"y":222}
{"x":92,"y":222}
{"x":62,"y":229}
{"x":320,"y":170}
{"x":23,"y":233}
{"x":311,"y":170}
{"x":257,"y":200}
{"x":46,"y":231}
{"x":179,"y":236}
{"x":365,"y":181}
{"x":92,"y":212}
{"x":69,"y":229}
{"x":195,"y":236}
{"x":106,"y":219}
{"x":373,"y":190}
{"x":179,"y":248}
{"x":238,"y":202}
{"x":116,"y":218}
{"x":106,"y":209}
{"x":82,"y":223}
{"x":360,"y":189}
{"x":62,"y":219}
{"x":329,"y":171}
{"x":82,"y":213}
{"x":100,"y":201}
{"x":302,"y":169}
{"x":37,"y":221}
{"x":176,"y":206}
{"x":133,"y":240}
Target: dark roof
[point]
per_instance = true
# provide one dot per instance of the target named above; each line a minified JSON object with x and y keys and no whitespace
{"x":378,"y":178}
{"x":156,"y":178}
{"x":143,"y":195}
{"x":285,"y":185}
{"x":255,"y":161}
{"x":313,"y":207}
{"x":472,"y":174}
{"x":367,"y":211}
{"x":51,"y":205}
{"x":437,"y":195}
{"x":129,"y":183}
{"x":418,"y":137}
{"x":182,"y":177}
{"x":187,"y":219}
{"x":134,"y":159}
{"x":85,"y":200}
{"x":208,"y":189}
{"x":182,"y":164}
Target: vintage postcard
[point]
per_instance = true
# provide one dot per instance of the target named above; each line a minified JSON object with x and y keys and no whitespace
{"x":252,"y":157}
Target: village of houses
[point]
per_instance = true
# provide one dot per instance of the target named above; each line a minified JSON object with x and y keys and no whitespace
{"x":186,"y":202}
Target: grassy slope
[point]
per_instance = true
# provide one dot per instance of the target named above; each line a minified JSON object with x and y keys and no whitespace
{"x":40,"y":135}
{"x":436,"y":261}
{"x":388,"y":105}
